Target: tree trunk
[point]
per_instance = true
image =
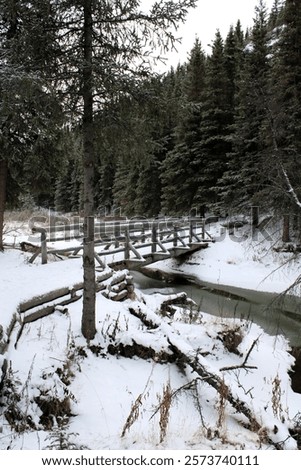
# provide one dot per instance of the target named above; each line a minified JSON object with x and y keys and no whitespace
{"x":88,"y":315}
{"x":3,"y":179}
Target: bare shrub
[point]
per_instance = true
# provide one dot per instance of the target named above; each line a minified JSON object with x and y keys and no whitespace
{"x":61,"y":439}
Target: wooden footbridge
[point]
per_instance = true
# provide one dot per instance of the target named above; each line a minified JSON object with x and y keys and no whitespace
{"x":133,"y":243}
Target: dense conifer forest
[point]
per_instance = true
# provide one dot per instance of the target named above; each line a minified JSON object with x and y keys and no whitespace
{"x":218,"y":133}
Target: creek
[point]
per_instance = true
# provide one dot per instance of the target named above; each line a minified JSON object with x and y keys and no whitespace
{"x":275,"y":314}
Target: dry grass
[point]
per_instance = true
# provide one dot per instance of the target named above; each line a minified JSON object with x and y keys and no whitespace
{"x":135,"y":408}
{"x":133,"y":416}
{"x":165,"y":406}
{"x":276,"y":397}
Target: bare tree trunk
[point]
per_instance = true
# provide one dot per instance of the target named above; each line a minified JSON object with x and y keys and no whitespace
{"x":3,"y":178}
{"x":88,"y":315}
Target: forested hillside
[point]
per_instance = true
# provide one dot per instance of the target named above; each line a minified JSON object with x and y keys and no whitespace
{"x":219,"y":133}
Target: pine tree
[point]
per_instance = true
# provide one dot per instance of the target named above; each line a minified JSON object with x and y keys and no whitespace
{"x":62,"y":190}
{"x":178,"y":169}
{"x":138,"y":122}
{"x":243,"y":179}
{"x":69,"y":179}
{"x":275,"y":14}
{"x":148,"y":189}
{"x":31,"y":116}
{"x":283,"y":130}
{"x":233,"y":52}
{"x":93,"y":51}
{"x":93,"y":68}
{"x":213,"y":145}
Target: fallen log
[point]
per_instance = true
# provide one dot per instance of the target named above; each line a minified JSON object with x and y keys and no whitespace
{"x":176,"y":299}
{"x":62,"y":292}
{"x":184,"y":357}
{"x":42,"y":299}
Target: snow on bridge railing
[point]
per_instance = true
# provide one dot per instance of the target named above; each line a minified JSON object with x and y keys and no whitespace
{"x":124,"y":234}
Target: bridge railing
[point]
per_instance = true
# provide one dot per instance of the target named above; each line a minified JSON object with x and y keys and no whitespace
{"x":126,"y":236}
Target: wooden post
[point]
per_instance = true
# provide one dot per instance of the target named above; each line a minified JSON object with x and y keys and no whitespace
{"x":190,"y":230}
{"x":143,"y":233}
{"x":127,"y":244}
{"x":175,"y":236}
{"x":154,"y":238}
{"x":42,"y":231}
{"x":43,"y":247}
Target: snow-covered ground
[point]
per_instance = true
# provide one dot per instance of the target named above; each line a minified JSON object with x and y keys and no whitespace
{"x":60,"y":392}
{"x":241,"y":260}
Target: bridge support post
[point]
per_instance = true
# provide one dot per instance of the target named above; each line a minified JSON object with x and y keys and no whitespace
{"x":203,"y":229}
{"x":143,"y":233}
{"x":43,"y":233}
{"x":190,"y":230}
{"x":127,"y":244}
{"x":175,"y":236}
{"x":154,"y":238}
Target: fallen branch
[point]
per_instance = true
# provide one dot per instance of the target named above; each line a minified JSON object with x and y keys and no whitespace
{"x":244,"y":364}
{"x":176,"y":392}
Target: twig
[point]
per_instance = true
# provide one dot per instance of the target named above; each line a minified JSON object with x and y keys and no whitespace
{"x":244,"y":364}
{"x":177,"y":391}
{"x":278,"y":267}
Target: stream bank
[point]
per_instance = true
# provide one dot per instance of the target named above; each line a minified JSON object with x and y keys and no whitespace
{"x":276,"y":315}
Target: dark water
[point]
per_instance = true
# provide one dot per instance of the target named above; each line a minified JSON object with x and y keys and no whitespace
{"x":275,"y":315}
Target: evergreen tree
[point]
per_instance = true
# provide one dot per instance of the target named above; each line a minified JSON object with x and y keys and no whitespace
{"x":233,"y":53}
{"x":283,"y":132}
{"x":102,"y":54}
{"x":275,"y":15}
{"x":138,"y":121}
{"x":69,"y":180}
{"x":213,"y":145}
{"x":93,"y":51}
{"x":30,"y":117}
{"x":149,"y":189}
{"x":144,"y":123}
{"x":178,"y":168}
{"x":243,"y":179}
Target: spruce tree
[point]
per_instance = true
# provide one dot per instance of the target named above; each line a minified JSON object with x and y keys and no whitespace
{"x":30,"y":117}
{"x":275,"y":15}
{"x":283,"y":129}
{"x":178,"y":169}
{"x":101,"y":53}
{"x":213,"y":146}
{"x":93,"y":50}
{"x":243,"y":179}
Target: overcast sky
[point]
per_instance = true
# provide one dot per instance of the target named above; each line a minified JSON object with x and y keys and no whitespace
{"x":209,"y":16}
